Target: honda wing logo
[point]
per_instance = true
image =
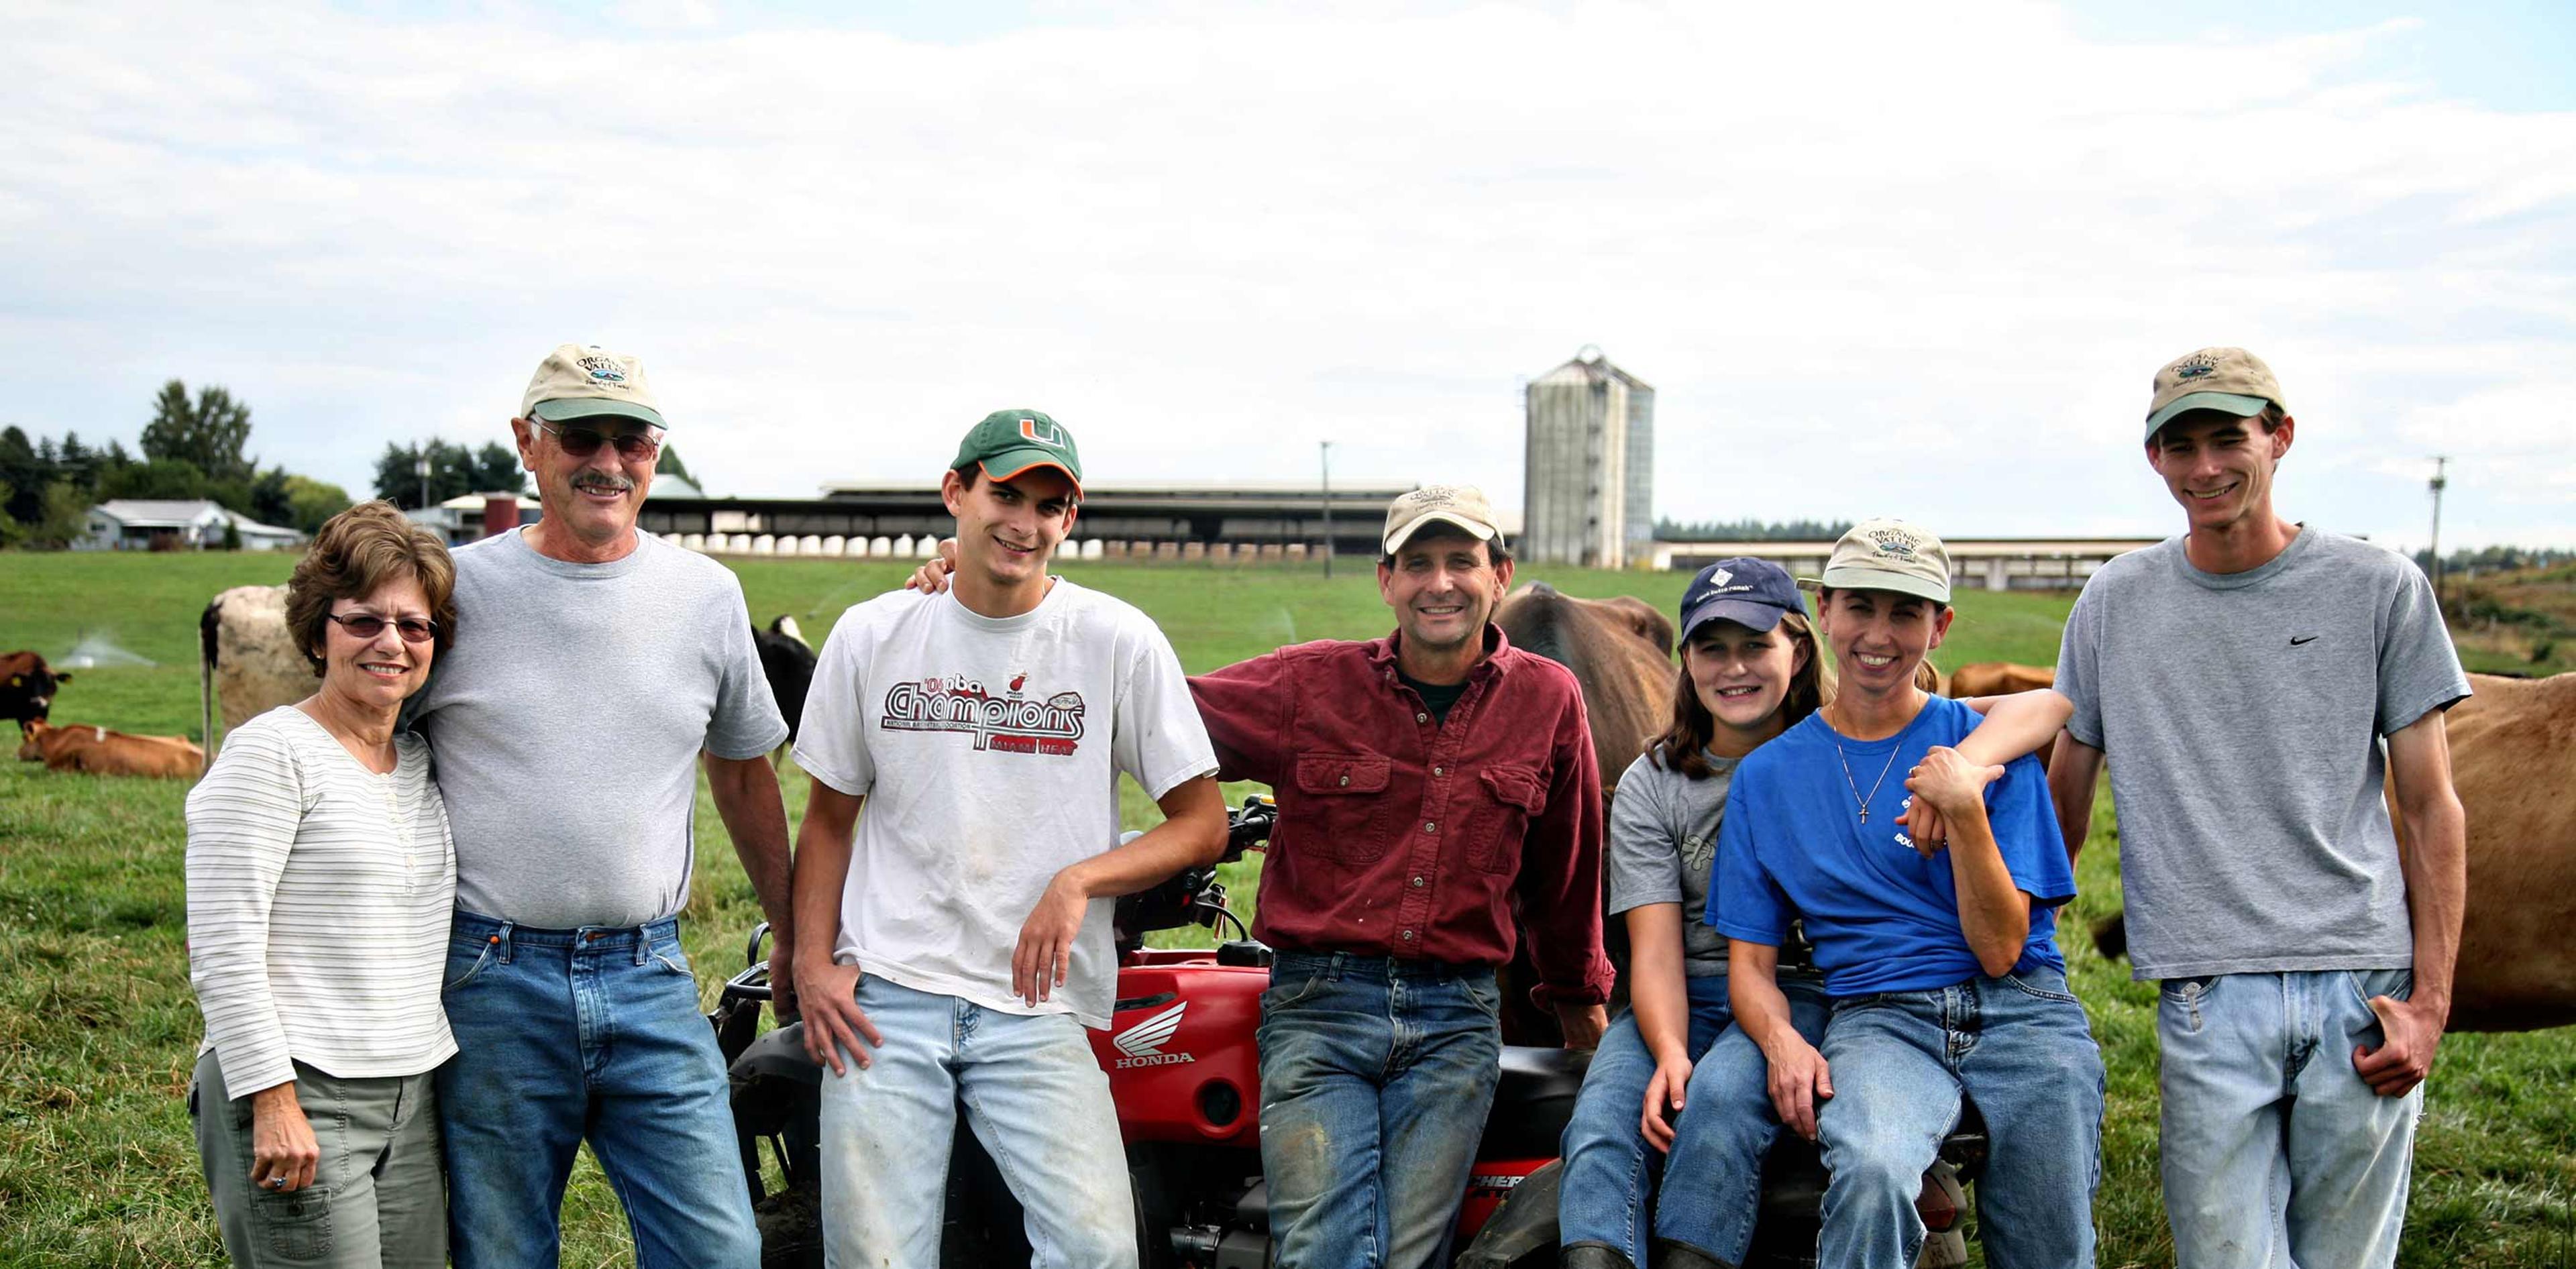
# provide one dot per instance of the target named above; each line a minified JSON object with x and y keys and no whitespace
{"x":1143,"y":1043}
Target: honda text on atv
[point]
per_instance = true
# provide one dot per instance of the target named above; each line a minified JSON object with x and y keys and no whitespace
{"x":1185,"y":1075}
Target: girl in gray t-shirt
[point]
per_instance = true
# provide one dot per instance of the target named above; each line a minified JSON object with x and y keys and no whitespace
{"x":1750,"y":668}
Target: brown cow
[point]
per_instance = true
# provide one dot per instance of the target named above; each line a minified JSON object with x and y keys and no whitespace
{"x":27,"y":686}
{"x":2513,"y":760}
{"x":1621,"y":652}
{"x":1998,"y":678}
{"x":98,"y":751}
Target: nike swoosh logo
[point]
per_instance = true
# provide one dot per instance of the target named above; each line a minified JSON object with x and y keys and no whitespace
{"x":2296,"y":642}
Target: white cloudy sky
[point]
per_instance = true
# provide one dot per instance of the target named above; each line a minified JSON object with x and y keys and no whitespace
{"x":1918,"y":259}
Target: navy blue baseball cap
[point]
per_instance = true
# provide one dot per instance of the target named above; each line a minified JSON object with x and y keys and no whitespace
{"x":1752,"y":593}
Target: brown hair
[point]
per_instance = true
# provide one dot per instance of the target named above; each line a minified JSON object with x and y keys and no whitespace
{"x":1684,"y":746}
{"x":2269,"y":419}
{"x":1497,"y":552}
{"x":353,"y":554}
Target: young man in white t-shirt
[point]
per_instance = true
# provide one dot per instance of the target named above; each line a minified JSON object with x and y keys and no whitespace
{"x":960,"y":942}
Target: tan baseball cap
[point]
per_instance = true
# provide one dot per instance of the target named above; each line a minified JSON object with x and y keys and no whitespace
{"x":1461,"y":505}
{"x":1890,"y":555}
{"x":578,"y":381}
{"x":2227,"y":379}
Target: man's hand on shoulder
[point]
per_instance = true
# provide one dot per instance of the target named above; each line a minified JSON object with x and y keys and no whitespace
{"x":2409,"y":1033}
{"x":932,"y":577}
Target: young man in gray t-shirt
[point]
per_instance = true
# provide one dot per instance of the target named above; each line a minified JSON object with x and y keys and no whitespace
{"x":2252,"y":684}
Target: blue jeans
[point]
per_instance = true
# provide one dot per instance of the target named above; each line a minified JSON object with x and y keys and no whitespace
{"x":1610,"y":1171}
{"x":567,"y":1034}
{"x":1376,"y":1076}
{"x":1712,"y":1190}
{"x":2019,"y":1046}
{"x":2275,"y":1151}
{"x":1035,"y":1096}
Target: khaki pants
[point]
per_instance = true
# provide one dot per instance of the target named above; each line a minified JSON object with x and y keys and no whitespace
{"x":377,"y":1199}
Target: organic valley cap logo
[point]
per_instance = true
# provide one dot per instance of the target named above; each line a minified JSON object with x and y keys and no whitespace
{"x":1895,"y":542}
{"x":1143,"y":1043}
{"x":604,"y":370}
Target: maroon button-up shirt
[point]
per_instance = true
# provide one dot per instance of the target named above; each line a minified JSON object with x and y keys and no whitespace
{"x":1405,"y":837}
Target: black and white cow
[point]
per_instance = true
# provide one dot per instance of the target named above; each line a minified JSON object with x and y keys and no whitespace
{"x":787,"y":661}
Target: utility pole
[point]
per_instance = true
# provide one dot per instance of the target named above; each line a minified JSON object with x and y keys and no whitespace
{"x":2439,"y":462}
{"x":421,"y":465}
{"x":1326,"y":448}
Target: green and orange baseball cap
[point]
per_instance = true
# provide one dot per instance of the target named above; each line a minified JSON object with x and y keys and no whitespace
{"x":1009,"y":442}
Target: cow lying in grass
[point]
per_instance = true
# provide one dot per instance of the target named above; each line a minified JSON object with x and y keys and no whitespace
{"x":98,"y":751}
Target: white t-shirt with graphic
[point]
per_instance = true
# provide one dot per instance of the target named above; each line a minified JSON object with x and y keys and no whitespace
{"x":988,"y":750}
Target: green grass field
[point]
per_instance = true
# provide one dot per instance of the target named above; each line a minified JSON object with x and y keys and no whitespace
{"x":98,"y":1029}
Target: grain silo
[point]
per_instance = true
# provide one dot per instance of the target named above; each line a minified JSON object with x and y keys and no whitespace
{"x":1589,"y":465}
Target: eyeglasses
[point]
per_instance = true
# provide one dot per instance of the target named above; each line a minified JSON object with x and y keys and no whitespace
{"x":368,"y":626}
{"x":582,"y":442}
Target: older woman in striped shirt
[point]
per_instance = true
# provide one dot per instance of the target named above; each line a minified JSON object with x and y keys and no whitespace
{"x":321,"y":880}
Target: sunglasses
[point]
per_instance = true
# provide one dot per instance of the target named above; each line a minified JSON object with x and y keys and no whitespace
{"x":368,"y":626}
{"x":582,"y":442}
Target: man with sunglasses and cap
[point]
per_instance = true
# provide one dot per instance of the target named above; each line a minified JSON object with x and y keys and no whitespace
{"x":607,"y":665}
{"x":2255,"y":685}
{"x":957,"y":935}
{"x":1432,"y":785}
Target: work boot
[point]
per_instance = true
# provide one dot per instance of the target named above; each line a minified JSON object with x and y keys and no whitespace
{"x":1677,"y":1256}
{"x":1592,"y":1256}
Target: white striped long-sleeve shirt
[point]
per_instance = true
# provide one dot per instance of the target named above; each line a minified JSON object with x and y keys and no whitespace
{"x":319,"y":899}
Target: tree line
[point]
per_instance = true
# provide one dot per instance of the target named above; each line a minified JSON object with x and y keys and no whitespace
{"x":2492,"y":559}
{"x":197,"y":448}
{"x":194,"y":448}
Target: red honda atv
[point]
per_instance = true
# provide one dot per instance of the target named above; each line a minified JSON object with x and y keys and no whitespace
{"x":1185,"y":1075}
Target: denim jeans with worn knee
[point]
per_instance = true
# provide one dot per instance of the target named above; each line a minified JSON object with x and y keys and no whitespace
{"x":2018,"y":1046}
{"x":1608,"y":1188}
{"x":1712,"y":1188}
{"x":567,"y":1034}
{"x":1035,"y":1096}
{"x":2275,"y":1151}
{"x":1376,"y":1076}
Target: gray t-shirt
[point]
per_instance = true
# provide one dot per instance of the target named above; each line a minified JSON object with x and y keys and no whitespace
{"x":1663,"y":832}
{"x":2241,"y":714}
{"x":567,"y":719}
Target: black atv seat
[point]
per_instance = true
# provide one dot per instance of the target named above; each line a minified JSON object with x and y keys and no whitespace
{"x":1532,"y":1100}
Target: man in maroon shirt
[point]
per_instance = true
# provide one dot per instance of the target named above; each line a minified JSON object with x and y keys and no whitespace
{"x":1428,"y":783}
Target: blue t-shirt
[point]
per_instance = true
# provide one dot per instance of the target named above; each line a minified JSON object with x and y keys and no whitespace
{"x":1882,"y":917}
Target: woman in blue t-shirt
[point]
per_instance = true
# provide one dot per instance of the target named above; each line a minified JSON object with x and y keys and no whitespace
{"x":1941,"y":962}
{"x":1750,"y":668}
